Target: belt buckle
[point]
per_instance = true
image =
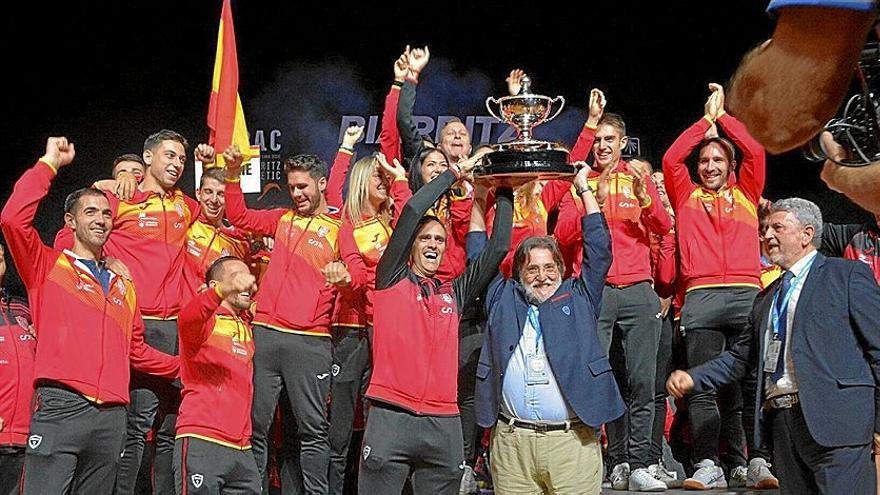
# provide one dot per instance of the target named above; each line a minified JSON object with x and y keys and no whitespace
{"x":541,"y":427}
{"x":784,"y":401}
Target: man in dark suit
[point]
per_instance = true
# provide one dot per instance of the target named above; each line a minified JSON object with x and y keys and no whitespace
{"x":543,"y":380}
{"x":815,"y":337}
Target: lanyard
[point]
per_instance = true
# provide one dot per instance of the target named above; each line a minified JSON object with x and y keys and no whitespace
{"x":536,"y":324}
{"x":798,"y":280}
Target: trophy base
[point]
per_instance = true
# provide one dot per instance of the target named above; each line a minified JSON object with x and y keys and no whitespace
{"x":514,"y":167}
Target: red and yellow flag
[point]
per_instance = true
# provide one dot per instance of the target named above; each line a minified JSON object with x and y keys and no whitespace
{"x":225,"y":114}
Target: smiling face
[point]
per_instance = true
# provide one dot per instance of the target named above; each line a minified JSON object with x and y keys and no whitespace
{"x":212,"y":198}
{"x":608,"y":145}
{"x":433,"y":165}
{"x":428,"y":249}
{"x":378,"y":188}
{"x":713,"y":166}
{"x":455,"y":141}
{"x":91,"y":220}
{"x":165,"y":162}
{"x":306,"y":192}
{"x":540,"y":275}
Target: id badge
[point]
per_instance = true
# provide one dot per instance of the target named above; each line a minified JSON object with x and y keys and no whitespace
{"x":771,"y":358}
{"x":536,"y":369}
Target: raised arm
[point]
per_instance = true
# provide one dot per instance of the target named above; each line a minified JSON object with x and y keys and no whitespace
{"x":596,"y":242}
{"x":389,"y":136}
{"x":675,"y":172}
{"x":30,"y":254}
{"x":393,"y":265}
{"x":752,"y":174}
{"x":584,"y":142}
{"x":654,"y":215}
{"x":400,"y":191}
{"x":193,"y":318}
{"x":262,"y":222}
{"x":341,"y":164}
{"x":411,"y":139}
{"x":481,"y":271}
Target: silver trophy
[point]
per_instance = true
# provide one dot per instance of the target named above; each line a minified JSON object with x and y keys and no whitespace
{"x":525,"y":158}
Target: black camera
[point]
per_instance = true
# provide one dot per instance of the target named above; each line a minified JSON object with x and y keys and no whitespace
{"x":858,"y":128}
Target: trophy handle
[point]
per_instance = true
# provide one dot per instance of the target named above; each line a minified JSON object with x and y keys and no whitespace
{"x":492,"y":99}
{"x":558,"y":110}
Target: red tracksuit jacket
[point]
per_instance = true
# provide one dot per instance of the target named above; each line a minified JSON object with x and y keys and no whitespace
{"x":216,"y":368}
{"x":361,"y":246}
{"x":149,"y":236}
{"x":293,"y":296}
{"x":717,"y":230}
{"x":88,"y":339}
{"x":17,"y":348}
{"x":206,"y":243}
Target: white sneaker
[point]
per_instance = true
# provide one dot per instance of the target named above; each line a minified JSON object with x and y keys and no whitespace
{"x":620,"y":476}
{"x":738,"y":477}
{"x":759,"y":475}
{"x":641,"y":480}
{"x":706,"y":477}
{"x":670,"y":479}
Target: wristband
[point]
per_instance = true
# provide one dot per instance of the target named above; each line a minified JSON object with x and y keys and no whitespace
{"x":45,"y":159}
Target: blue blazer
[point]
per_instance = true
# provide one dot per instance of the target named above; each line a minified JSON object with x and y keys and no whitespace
{"x":835,"y":345}
{"x":568,"y":323}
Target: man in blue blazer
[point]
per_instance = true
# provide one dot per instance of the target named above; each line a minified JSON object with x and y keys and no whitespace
{"x":543,"y":380}
{"x":814,"y":336}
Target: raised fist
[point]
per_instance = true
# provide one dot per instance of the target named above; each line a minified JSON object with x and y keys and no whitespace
{"x":204,"y":153}
{"x":352,"y":135}
{"x":418,"y":59}
{"x":241,"y":282}
{"x":401,"y":66}
{"x":232,"y":158}
{"x":59,"y":151}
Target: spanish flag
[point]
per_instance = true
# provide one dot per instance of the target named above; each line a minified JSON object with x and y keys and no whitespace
{"x":225,"y":114}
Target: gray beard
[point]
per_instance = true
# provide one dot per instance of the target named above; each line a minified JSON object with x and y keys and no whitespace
{"x":534,"y":299}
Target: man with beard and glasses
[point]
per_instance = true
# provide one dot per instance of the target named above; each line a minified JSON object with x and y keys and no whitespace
{"x":543,"y":381}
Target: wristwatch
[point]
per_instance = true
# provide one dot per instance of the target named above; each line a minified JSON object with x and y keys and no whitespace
{"x":581,"y":190}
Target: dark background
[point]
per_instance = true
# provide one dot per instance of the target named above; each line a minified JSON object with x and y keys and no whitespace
{"x":108,"y":74}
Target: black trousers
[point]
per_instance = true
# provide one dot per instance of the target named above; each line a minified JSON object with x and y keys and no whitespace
{"x":203,"y":467}
{"x":664,"y":368}
{"x":711,"y":319}
{"x":629,"y":317}
{"x":398,"y":442}
{"x":350,"y":376}
{"x":11,"y":464}
{"x":74,"y":444}
{"x":301,"y":364}
{"x":154,"y":401}
{"x":471,"y":331}
{"x":805,"y":467}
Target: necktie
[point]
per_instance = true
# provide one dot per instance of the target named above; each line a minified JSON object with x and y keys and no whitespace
{"x":782,"y":323}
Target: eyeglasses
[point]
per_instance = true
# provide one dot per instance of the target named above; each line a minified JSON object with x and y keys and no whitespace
{"x":548,"y":270}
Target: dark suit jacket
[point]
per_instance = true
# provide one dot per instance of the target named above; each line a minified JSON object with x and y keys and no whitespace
{"x":835,"y":345}
{"x":568,"y":323}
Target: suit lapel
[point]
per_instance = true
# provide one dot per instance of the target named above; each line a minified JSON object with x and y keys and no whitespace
{"x":814,"y":278}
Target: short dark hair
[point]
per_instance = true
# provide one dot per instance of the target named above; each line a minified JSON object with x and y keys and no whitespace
{"x":315,"y":166}
{"x":129,"y":157}
{"x":615,"y":121}
{"x":156,"y":139}
{"x":726,"y":147}
{"x":536,"y":242}
{"x":215,"y":271}
{"x":71,"y":203}
{"x":216,"y":173}
{"x":425,"y":220}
